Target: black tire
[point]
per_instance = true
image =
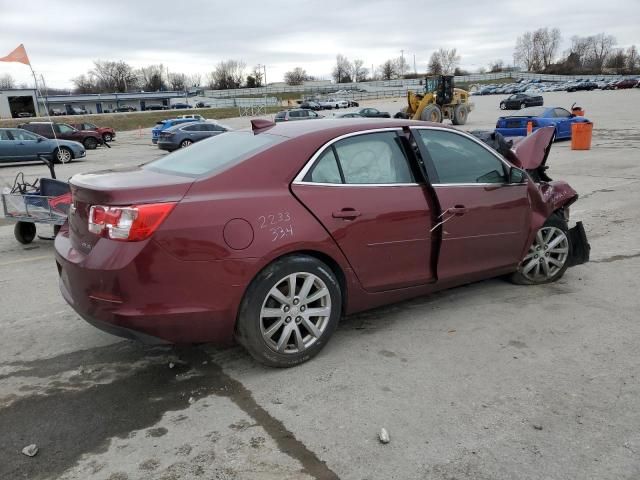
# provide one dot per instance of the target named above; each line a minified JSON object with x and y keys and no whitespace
{"x":460,"y":115}
{"x":248,"y":328}
{"x":503,"y":106}
{"x":90,"y":143}
{"x":62,"y":155}
{"x":107,"y":137}
{"x":558,"y":222}
{"x":431,"y":113}
{"x":24,"y":232}
{"x":402,"y":113}
{"x":185,"y":143}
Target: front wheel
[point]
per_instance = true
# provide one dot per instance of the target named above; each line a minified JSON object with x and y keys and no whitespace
{"x":548,"y":256}
{"x":63,"y":155}
{"x":24,"y":232}
{"x":503,"y":106}
{"x":107,"y":137}
{"x":289,"y":311}
{"x":90,"y":143}
{"x":523,"y":105}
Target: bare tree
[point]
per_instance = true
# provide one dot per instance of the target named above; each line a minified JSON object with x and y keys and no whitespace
{"x":600,"y":48}
{"x":401,"y":66}
{"x":496,"y":66}
{"x":435,"y":64}
{"x":7,"y":82}
{"x":633,"y":62}
{"x":151,"y":78}
{"x":114,"y":76}
{"x":449,"y":59}
{"x":177,"y":81}
{"x":296,"y":76}
{"x":227,"y":74}
{"x":617,"y":61}
{"x":342,"y":70}
{"x":358,"y":72}
{"x":526,"y":52}
{"x":258,"y":75}
{"x":388,"y":70}
{"x":85,"y":84}
{"x":546,"y":43}
{"x":194,"y":80}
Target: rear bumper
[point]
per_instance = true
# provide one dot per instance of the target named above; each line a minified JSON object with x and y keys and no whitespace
{"x":138,"y":290}
{"x":169,"y":146}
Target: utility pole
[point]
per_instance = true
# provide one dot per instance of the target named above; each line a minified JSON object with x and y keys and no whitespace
{"x":402,"y":63}
{"x":415,"y":70}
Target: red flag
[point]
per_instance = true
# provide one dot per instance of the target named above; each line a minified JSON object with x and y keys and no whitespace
{"x":18,"y":55}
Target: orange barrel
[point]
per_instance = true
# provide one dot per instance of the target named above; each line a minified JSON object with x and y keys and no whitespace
{"x":529,"y":127}
{"x":581,"y":135}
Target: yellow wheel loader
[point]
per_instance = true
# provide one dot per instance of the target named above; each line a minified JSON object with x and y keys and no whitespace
{"x":439,"y":100}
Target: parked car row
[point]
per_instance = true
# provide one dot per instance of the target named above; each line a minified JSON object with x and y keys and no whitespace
{"x":309,"y":114}
{"x":60,"y":142}
{"x":537,"y":86}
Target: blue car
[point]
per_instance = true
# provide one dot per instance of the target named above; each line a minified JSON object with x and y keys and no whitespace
{"x":516,"y":125}
{"x":18,"y":145}
{"x":164,"y":124}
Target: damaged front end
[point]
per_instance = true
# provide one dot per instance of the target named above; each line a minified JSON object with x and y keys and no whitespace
{"x":547,"y":196}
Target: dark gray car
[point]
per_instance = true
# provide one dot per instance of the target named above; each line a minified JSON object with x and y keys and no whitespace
{"x":184,"y":134}
{"x":18,"y":145}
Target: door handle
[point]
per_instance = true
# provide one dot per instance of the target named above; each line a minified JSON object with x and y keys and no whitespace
{"x":346,"y":214}
{"x":458,"y":210}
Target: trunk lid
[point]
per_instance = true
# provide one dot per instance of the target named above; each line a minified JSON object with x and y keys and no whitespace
{"x":125,"y":187}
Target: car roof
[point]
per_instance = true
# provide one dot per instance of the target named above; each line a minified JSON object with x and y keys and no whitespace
{"x":336,"y":127}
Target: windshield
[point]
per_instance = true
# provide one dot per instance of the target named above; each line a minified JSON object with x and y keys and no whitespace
{"x":214,"y":154}
{"x":530,"y":112}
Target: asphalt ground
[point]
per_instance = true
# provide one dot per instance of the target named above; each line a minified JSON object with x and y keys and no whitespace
{"x":486,"y":381}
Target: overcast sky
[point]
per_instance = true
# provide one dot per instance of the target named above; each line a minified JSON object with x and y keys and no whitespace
{"x":63,"y":38}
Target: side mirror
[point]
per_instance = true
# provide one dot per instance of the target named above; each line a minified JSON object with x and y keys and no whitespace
{"x":40,"y":139}
{"x":517,"y":176}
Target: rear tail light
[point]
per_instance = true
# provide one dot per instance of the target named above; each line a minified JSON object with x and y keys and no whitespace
{"x":132,"y":224}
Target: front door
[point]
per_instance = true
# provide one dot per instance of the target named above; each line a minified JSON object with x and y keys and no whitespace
{"x":563,"y":125}
{"x":25,"y":145}
{"x":486,"y":219}
{"x":363,"y":191}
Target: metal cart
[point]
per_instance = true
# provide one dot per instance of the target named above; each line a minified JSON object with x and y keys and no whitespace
{"x":45,"y":201}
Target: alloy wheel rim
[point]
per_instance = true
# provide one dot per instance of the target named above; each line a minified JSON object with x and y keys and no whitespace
{"x":63,"y":155}
{"x":295,"y":313}
{"x":186,"y":143}
{"x":547,"y":255}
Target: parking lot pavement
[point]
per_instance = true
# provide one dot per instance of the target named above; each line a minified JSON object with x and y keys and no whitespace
{"x":487,"y":381}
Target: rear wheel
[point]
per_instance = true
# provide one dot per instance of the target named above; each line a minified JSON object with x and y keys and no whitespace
{"x":548,"y":256}
{"x":289,"y":311}
{"x":431,"y":113}
{"x":90,"y":143}
{"x":523,"y":105}
{"x":24,"y":232}
{"x":460,"y":115}
{"x":185,"y":143}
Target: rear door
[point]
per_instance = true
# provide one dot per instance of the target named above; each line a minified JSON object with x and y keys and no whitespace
{"x":486,"y":219}
{"x":362,"y":189}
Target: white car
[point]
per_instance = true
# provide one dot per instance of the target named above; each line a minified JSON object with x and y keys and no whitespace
{"x":193,"y":116}
{"x":334,"y":103}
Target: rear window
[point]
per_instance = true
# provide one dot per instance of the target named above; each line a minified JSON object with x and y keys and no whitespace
{"x":215,"y":154}
{"x":530,"y":112}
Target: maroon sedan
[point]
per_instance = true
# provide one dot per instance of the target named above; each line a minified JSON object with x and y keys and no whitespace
{"x":107,"y":133}
{"x":270,"y":235}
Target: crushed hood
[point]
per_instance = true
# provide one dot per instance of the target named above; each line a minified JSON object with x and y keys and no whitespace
{"x":532,"y":151}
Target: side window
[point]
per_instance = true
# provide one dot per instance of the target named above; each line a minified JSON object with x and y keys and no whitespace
{"x":19,"y":134}
{"x":192,"y":128}
{"x":458,"y":159}
{"x":373,"y":158}
{"x":281,"y":114}
{"x":561,"y":113}
{"x":62,"y":128}
{"x":294,"y":114}
{"x":325,"y":170}
{"x":4,"y":135}
{"x":312,"y":114}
